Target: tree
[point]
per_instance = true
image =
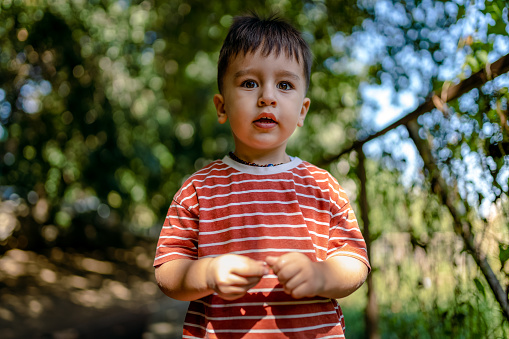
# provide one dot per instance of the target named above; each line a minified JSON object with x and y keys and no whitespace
{"x":101,"y":120}
{"x":466,"y":136}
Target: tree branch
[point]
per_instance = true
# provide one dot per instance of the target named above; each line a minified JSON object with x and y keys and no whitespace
{"x":447,"y":93}
{"x":449,"y":196}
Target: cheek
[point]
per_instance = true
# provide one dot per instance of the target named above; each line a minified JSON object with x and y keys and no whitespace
{"x":232,"y":104}
{"x":236,"y":122}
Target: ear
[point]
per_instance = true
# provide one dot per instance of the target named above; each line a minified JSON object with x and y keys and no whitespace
{"x":303,"y":111}
{"x":220,"y":108}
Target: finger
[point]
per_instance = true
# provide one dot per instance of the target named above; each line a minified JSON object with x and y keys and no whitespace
{"x":251,"y":269}
{"x":288,"y":272}
{"x":230,"y":290}
{"x":248,"y":283}
{"x":302,"y":291}
{"x":232,"y":280}
{"x":242,"y":289}
{"x":252,"y":280}
{"x":276,"y":263}
{"x":293,"y":282}
{"x":232,"y":296}
{"x":271,"y":260}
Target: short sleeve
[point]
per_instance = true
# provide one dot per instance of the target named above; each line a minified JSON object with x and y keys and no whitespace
{"x":179,"y":234}
{"x":345,"y":236}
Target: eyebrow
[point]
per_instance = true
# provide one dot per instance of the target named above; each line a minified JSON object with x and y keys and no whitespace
{"x":282,"y":73}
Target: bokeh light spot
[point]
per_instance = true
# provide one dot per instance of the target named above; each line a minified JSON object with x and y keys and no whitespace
{"x":22,"y":34}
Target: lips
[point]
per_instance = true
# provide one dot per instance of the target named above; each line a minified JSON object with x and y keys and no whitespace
{"x":265,"y":120}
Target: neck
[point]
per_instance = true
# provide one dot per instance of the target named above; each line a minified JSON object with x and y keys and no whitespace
{"x":259,"y":161}
{"x":276,"y":155}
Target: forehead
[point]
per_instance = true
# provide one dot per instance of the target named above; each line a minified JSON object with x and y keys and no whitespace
{"x":252,"y":61}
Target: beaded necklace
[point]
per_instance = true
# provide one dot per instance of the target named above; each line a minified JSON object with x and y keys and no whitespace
{"x":239,"y":160}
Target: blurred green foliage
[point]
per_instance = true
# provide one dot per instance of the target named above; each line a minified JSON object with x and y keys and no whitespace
{"x":107,"y":107}
{"x":435,"y":289}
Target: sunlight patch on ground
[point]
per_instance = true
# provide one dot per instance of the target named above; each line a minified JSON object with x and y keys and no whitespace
{"x":41,"y":288}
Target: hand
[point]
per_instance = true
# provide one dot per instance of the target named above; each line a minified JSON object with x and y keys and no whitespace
{"x":231,"y":275}
{"x":299,"y":276}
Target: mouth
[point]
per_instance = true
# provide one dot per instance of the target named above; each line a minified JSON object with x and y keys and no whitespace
{"x":265,"y":121}
{"x":266,"y":118}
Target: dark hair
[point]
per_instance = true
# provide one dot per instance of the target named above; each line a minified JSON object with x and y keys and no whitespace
{"x":271,"y":34}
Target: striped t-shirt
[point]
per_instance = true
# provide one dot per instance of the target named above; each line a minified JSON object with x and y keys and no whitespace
{"x":228,"y":207}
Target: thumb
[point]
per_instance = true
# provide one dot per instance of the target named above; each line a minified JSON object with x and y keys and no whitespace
{"x":271,"y":261}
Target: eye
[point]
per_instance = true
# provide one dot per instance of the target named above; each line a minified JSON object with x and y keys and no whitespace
{"x":285,"y":86}
{"x":249,"y":84}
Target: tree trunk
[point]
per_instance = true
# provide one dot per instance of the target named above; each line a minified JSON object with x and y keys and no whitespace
{"x":462,"y":227}
{"x":371,"y":316}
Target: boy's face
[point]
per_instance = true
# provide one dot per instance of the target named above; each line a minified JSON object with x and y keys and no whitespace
{"x":264,"y":99}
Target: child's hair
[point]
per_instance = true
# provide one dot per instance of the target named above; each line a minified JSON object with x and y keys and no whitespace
{"x":271,"y":34}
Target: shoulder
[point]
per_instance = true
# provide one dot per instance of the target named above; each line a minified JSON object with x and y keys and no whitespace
{"x":325,"y":180}
{"x":216,"y":169}
{"x":313,"y":171}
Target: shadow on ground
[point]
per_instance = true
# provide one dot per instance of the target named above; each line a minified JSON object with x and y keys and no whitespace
{"x":69,"y":295}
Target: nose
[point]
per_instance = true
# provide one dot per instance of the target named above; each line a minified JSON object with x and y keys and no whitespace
{"x":267,"y":98}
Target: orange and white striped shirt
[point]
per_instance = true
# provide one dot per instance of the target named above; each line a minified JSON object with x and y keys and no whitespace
{"x":228,"y":207}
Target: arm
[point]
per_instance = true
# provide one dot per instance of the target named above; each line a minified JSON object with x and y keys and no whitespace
{"x":336,"y":277}
{"x":229,"y":275}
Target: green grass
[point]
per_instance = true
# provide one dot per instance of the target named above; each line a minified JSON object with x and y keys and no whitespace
{"x":456,"y":321}
{"x":444,"y":301}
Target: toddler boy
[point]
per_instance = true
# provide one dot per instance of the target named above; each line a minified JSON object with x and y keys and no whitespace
{"x":261,"y":243}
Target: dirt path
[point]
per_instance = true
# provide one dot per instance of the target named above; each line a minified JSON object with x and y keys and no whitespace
{"x":67,"y":295}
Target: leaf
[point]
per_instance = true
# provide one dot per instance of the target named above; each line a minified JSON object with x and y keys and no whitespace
{"x":498,"y":28}
{"x":461,"y":12}
{"x":482,"y":56}
{"x":493,"y":8}
{"x":480,"y":287}
{"x":503,"y":255}
{"x":472,"y":62}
